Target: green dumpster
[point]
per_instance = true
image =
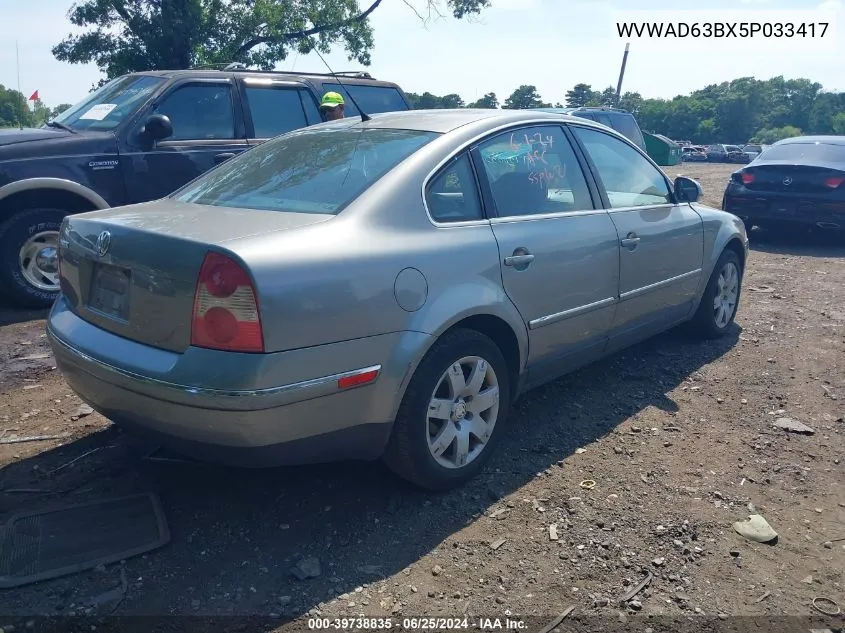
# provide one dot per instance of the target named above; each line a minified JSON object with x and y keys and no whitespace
{"x":663,"y":150}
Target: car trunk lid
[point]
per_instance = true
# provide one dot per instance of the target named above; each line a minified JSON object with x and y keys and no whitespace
{"x":133,"y":270}
{"x":790,"y":178}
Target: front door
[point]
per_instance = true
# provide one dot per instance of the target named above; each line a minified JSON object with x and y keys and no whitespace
{"x":207,"y":130}
{"x":661,"y":242}
{"x":557,"y":248}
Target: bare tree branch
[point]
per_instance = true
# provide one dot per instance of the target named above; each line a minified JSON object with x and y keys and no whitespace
{"x":432,"y":9}
{"x":266,"y":39}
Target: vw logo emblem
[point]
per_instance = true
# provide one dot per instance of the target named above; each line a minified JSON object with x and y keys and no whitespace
{"x":103,"y":243}
{"x":787,"y":181}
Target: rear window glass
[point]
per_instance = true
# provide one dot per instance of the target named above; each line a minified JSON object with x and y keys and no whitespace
{"x":823,"y":152}
{"x":626,"y":124}
{"x":373,"y":99}
{"x":308,"y":171}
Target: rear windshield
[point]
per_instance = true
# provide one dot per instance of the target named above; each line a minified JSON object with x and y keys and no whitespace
{"x":317,"y":170}
{"x":822,"y":152}
{"x":373,"y":99}
{"x":627,"y":125}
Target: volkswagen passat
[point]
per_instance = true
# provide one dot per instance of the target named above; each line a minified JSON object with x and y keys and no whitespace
{"x":384,"y":288}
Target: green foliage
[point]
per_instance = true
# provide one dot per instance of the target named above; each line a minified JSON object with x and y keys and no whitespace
{"x":122,"y":36}
{"x":735,"y":111}
{"x":428,"y":101}
{"x":15,"y":110}
{"x":489,"y":102}
{"x":838,"y":123}
{"x":579,"y":96}
{"x":523,"y":98}
{"x":773,"y":135}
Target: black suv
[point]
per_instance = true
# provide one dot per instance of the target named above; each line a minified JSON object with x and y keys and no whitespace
{"x":620,"y":120}
{"x":140,"y":137}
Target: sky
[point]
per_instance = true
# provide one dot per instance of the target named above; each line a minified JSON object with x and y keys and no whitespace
{"x":551,"y":44}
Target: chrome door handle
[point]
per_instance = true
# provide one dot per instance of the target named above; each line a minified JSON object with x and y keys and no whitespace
{"x":519,"y":260}
{"x":631,"y":241}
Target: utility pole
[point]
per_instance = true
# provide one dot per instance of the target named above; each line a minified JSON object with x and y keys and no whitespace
{"x":622,"y":73}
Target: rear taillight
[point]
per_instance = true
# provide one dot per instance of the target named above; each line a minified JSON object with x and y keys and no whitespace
{"x":225,"y":308}
{"x":833,"y":182}
{"x":747,"y":178}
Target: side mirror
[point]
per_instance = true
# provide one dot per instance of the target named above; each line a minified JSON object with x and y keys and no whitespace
{"x":157,"y":127}
{"x":687,"y":189}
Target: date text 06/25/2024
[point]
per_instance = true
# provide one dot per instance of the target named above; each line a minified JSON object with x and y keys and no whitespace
{"x":415,"y":624}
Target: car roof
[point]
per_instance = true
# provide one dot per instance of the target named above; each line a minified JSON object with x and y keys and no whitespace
{"x":601,"y":109}
{"x":354,"y":78}
{"x":446,"y":120}
{"x":827,"y":140}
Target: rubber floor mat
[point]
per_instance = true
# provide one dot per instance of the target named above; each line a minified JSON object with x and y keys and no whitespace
{"x":68,"y":539}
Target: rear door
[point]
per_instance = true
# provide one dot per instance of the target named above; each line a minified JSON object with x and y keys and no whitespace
{"x":661,"y":242}
{"x":273,"y":107}
{"x":558,"y":248}
{"x":207,"y":128}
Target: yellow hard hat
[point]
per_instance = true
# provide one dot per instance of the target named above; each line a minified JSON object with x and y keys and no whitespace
{"x":332,"y":100}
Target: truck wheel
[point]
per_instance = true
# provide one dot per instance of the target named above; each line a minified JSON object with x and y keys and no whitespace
{"x":29,"y":273}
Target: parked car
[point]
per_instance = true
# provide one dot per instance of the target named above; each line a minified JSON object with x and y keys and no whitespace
{"x":384,"y":288}
{"x":138,"y":138}
{"x":752,"y":151}
{"x":693,"y":154}
{"x":796,"y":182}
{"x":717,"y":153}
{"x":734,"y":154}
{"x":620,"y":120}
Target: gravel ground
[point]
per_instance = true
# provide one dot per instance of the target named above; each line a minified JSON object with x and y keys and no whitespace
{"x":677,"y":435}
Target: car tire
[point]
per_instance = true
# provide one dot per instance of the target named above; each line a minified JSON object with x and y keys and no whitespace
{"x":714,"y":321}
{"x":417,"y":435}
{"x":39,"y":228}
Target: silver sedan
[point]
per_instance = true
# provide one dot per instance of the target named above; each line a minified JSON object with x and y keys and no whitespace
{"x":384,"y":288}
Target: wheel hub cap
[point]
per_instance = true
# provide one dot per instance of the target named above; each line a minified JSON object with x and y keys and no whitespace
{"x":462,"y":412}
{"x":727,"y":295}
{"x":47,"y":260}
{"x":39,"y":261}
{"x":459,"y":410}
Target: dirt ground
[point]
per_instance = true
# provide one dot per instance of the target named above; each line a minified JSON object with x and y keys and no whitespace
{"x":677,"y":435}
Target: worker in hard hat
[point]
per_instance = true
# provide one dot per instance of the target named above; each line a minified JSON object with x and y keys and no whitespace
{"x":332,"y":106}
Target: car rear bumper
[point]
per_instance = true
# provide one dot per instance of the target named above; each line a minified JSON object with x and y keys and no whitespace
{"x":754,"y":207}
{"x":308,"y":418}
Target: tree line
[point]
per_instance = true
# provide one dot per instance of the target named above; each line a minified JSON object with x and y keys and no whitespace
{"x":15,"y":110}
{"x":122,"y":36}
{"x":745,"y":109}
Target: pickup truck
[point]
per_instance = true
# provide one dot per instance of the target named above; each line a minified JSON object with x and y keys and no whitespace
{"x":140,"y":137}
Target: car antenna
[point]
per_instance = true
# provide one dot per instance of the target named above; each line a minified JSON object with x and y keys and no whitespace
{"x":364,"y":115}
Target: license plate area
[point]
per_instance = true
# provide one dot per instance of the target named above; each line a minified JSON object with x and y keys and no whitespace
{"x":782,"y":208}
{"x":109,"y":293}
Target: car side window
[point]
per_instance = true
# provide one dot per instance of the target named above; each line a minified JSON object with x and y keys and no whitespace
{"x":534,"y":170}
{"x":629,"y":179}
{"x":452,"y":195}
{"x":199,"y":112}
{"x":276,"y":110}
